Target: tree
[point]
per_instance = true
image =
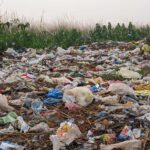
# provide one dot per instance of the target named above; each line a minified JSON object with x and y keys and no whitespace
{"x":104,"y":32}
{"x":109,"y":30}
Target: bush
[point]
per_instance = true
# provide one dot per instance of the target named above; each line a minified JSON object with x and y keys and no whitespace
{"x":22,"y":35}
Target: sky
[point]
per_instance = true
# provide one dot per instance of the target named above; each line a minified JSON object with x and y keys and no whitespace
{"x":81,"y":11}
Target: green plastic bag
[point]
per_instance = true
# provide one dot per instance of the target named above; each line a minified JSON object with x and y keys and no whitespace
{"x":9,"y":118}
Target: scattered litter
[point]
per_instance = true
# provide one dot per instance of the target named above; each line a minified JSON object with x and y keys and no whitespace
{"x":104,"y":86}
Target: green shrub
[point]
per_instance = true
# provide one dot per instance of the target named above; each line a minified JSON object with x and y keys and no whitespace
{"x":23,"y":35}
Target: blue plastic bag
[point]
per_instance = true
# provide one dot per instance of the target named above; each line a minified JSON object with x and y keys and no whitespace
{"x":54,"y":97}
{"x":55,"y":93}
{"x":52,"y":101}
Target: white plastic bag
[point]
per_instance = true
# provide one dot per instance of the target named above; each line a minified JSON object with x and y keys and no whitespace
{"x":66,"y":134}
{"x":124,"y":72}
{"x":121,"y":89}
{"x":61,"y":51}
{"x":11,"y":52}
{"x":24,"y":127}
{"x":36,"y":60}
{"x":127,"y":145}
{"x":80,"y":95}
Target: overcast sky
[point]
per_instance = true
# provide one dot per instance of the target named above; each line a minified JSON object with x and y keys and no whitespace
{"x":85,"y":11}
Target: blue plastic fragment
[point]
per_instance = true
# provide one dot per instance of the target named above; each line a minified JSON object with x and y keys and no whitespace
{"x":94,"y":89}
{"x":83,"y":47}
{"x":101,"y":114}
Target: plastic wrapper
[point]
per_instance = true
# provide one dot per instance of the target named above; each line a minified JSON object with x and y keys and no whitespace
{"x":126,"y":134}
{"x":66,"y":134}
{"x":107,"y":138}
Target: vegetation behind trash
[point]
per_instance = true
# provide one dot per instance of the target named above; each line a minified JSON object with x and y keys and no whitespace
{"x":17,"y":35}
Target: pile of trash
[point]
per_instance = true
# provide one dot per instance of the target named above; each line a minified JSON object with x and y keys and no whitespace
{"x":92,"y":97}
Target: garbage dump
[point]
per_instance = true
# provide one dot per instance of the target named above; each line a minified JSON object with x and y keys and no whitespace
{"x":91,"y":97}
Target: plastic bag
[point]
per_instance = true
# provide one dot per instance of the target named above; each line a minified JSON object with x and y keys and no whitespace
{"x":10,"y":129}
{"x":55,"y":93}
{"x":127,"y":145}
{"x":36,"y":60}
{"x":54,"y":97}
{"x":11,"y":52}
{"x":95,"y":81}
{"x":37,"y":106}
{"x":61,"y":51}
{"x":7,"y":145}
{"x":66,"y":134}
{"x":110,"y":100}
{"x":125,"y":73}
{"x":4,"y":104}
{"x":41,"y":127}
{"x":147,"y":116}
{"x":137,"y":132}
{"x":80,"y":95}
{"x":45,"y":79}
{"x":2,"y":74}
{"x":61,"y":81}
{"x":146,"y":48}
{"x":99,"y":68}
{"x":121,"y":89}
{"x":52,"y":101}
{"x":30,"y":53}
{"x":72,"y":106}
{"x":9,"y":118}
{"x":24,"y":127}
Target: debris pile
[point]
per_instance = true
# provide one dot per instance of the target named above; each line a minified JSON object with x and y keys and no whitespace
{"x":81,"y":98}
